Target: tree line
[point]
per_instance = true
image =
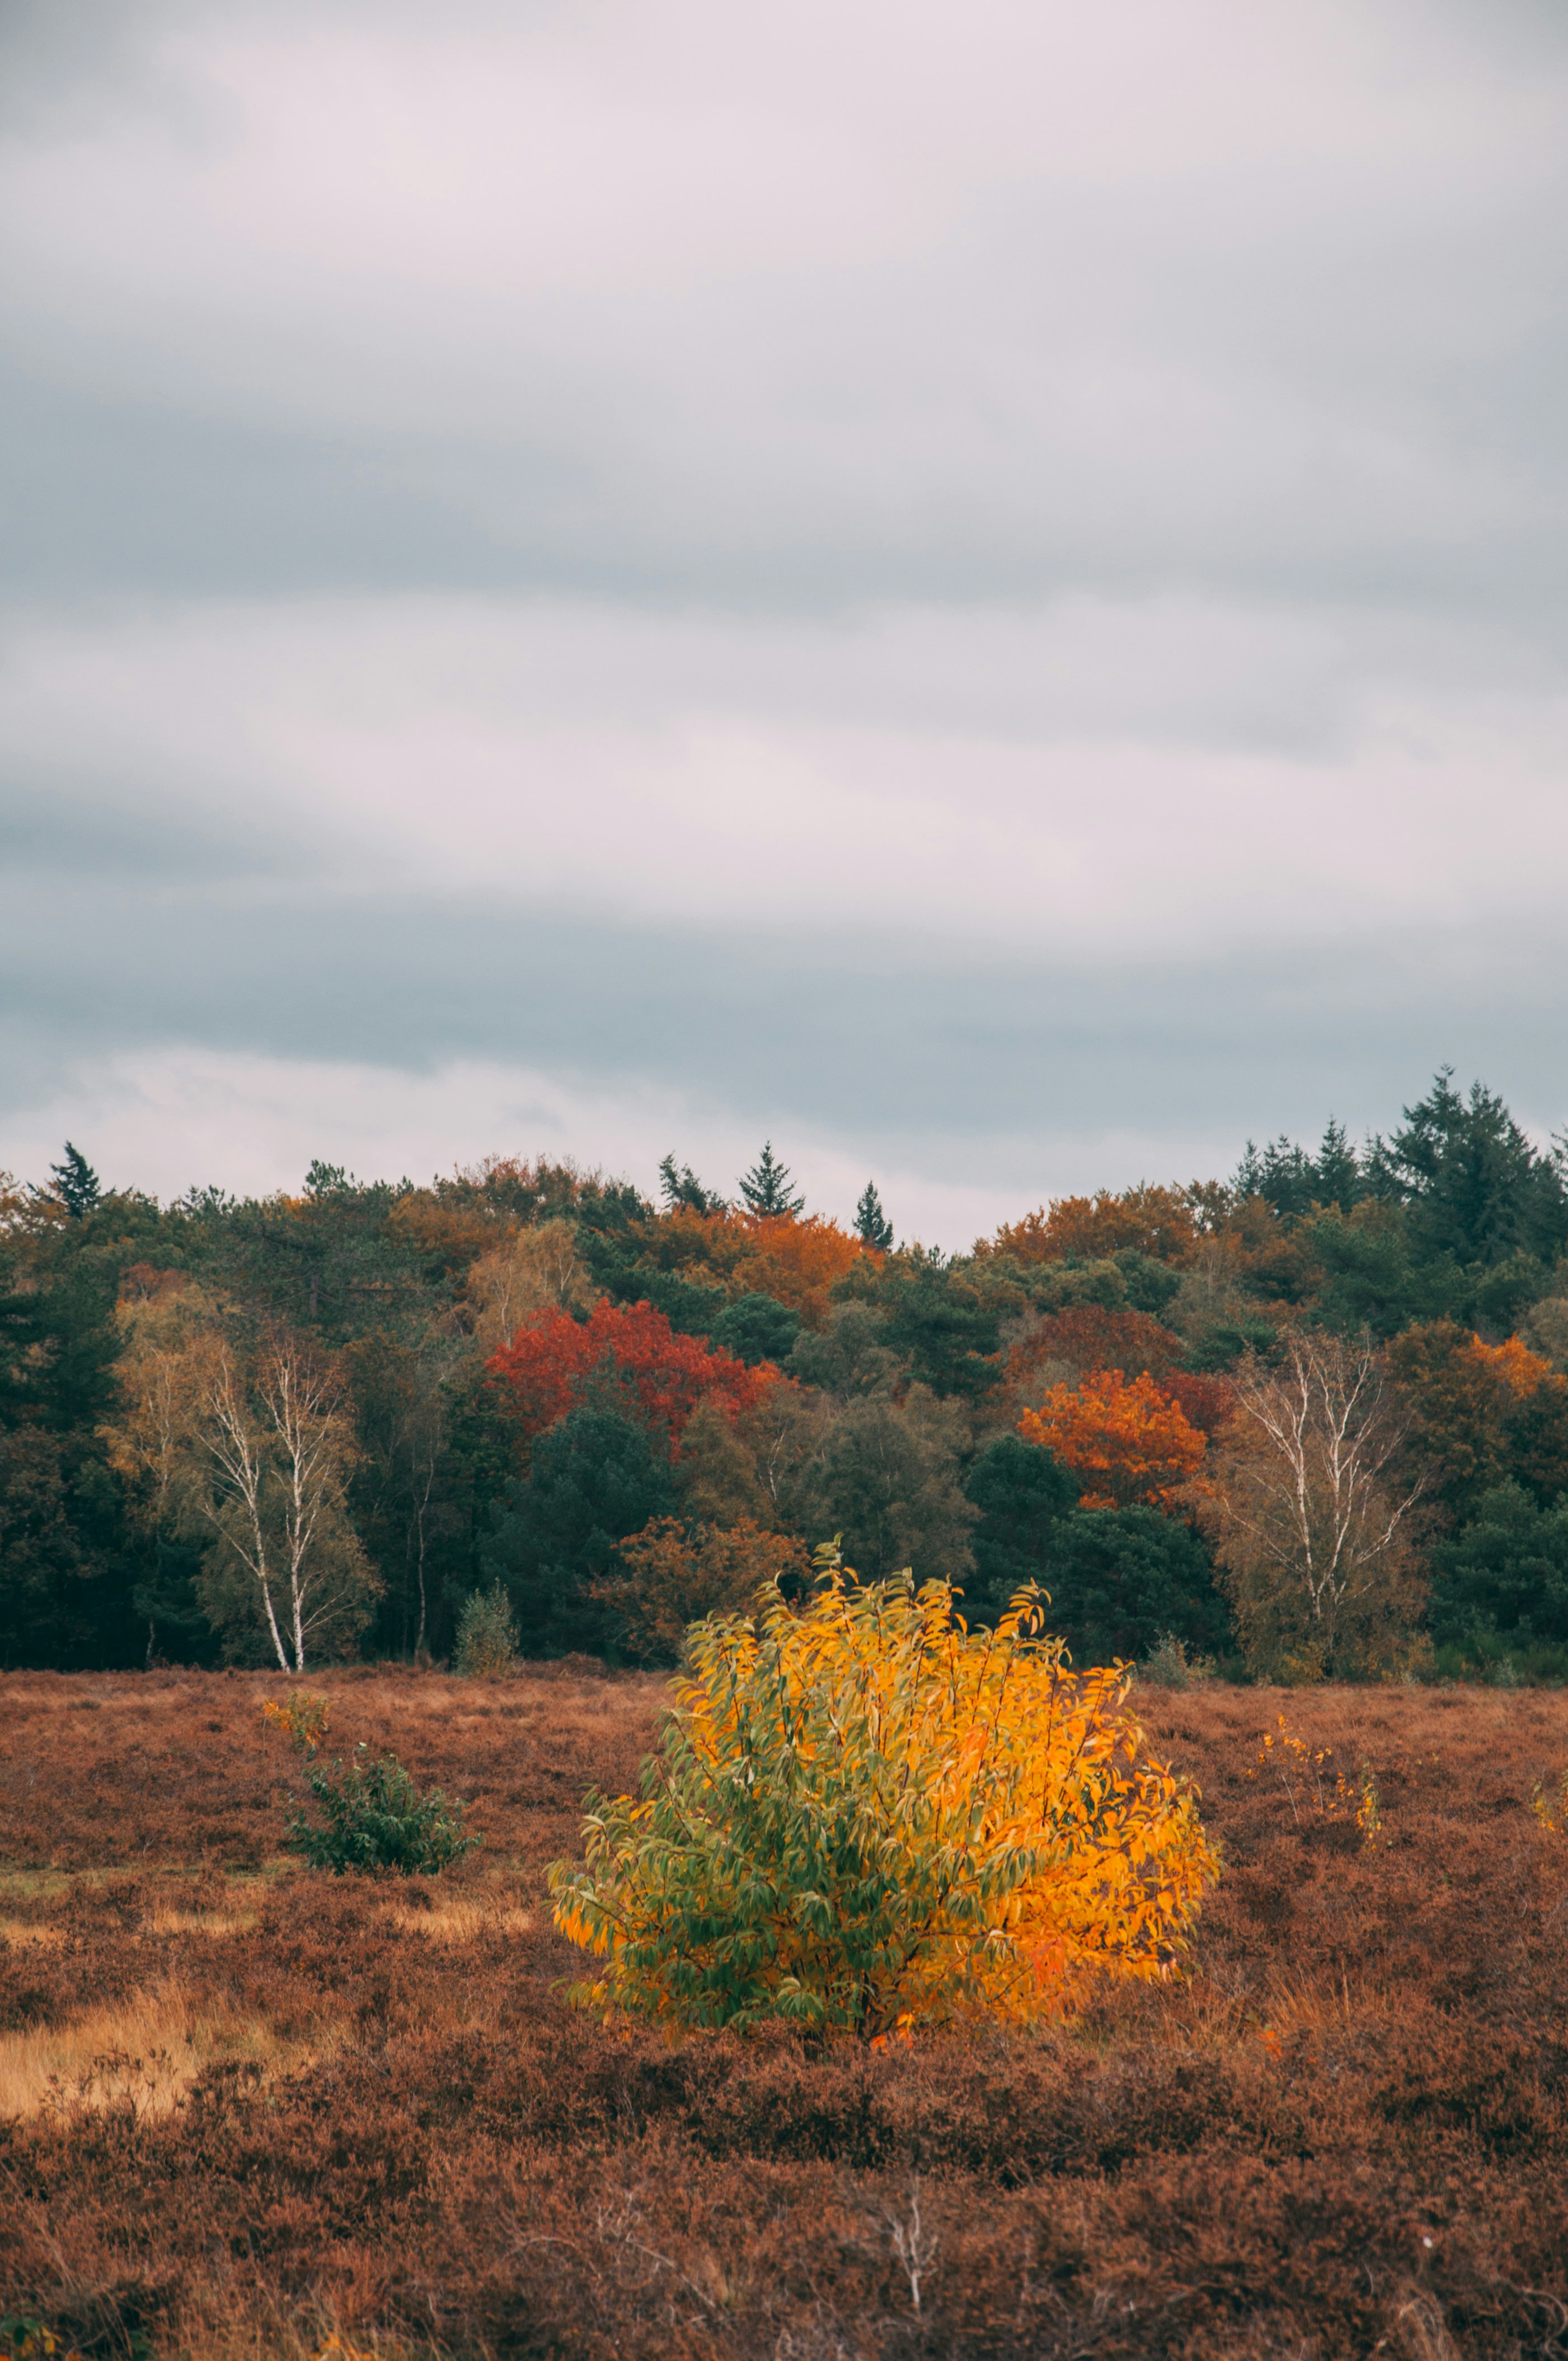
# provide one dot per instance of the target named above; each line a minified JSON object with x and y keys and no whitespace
{"x":1310,"y":1421}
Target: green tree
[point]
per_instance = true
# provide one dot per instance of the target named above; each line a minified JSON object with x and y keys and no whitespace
{"x":766,"y":1188}
{"x":400,"y":1483}
{"x":851,"y":1354}
{"x":940,"y":1322}
{"x":1504,"y":1574}
{"x":1022,"y":1493}
{"x":593,"y":1479}
{"x":869,"y":1219}
{"x":887,"y":1478}
{"x":1118,"y":1579}
{"x":1373,"y":1278}
{"x":70,"y":1557}
{"x":330,"y":1260}
{"x":679,"y":1187}
{"x":755,"y":1328}
{"x":1295,"y":1182}
{"x":1121,"y":1579}
{"x":1476,"y":1188}
{"x":75,"y":1183}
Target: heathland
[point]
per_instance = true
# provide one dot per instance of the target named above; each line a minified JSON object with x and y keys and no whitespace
{"x":251,"y":2109}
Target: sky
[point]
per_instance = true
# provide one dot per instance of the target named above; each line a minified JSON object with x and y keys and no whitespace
{"x":975,"y":590}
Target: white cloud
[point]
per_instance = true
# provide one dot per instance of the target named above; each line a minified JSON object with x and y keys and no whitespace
{"x":173,"y":1120}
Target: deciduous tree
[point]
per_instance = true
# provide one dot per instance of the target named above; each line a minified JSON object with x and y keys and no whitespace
{"x":1152,"y":1220}
{"x":888,"y":1477}
{"x":1128,"y":1443}
{"x":550,"y":1365}
{"x":251,"y":1439}
{"x":1311,"y":1520}
{"x":672,"y":1573}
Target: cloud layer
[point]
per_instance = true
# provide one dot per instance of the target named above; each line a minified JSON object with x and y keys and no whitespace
{"x":984,"y":587}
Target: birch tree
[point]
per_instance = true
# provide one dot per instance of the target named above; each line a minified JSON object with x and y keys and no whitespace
{"x":247,"y":1438}
{"x":1310,"y":1515}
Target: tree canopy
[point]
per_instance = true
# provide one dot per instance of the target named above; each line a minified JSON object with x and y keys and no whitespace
{"x":526,"y":1363}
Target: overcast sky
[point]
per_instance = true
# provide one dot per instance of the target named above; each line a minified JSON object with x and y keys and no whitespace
{"x":979,"y":588}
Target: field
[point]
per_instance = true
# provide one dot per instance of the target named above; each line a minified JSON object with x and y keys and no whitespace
{"x":248,"y":2108}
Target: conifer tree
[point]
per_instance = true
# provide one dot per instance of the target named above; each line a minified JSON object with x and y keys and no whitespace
{"x":767,"y":1185}
{"x":870,"y":1220}
{"x":1339,"y":1175}
{"x":679,"y":1187}
{"x":75,"y":1183}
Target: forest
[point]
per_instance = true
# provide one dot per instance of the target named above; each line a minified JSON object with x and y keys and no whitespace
{"x":1307,"y":1422}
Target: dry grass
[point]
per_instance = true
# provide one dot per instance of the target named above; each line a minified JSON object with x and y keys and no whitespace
{"x":1345,"y":2132}
{"x":460,"y":1921}
{"x":144,"y":2054}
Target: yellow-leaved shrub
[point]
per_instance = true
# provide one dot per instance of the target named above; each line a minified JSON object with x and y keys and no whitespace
{"x":866,"y":1817}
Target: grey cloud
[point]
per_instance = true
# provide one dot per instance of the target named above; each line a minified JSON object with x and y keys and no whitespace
{"x":1308,"y":396}
{"x":1251,"y":379}
{"x":105,"y":495}
{"x":960,"y":1062}
{"x":52,"y":833}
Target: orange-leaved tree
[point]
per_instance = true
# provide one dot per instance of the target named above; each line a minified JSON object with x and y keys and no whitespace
{"x":1154,"y":1220}
{"x":868,"y":1819}
{"x":796,"y":1259}
{"x":1478,"y":1413}
{"x":551,"y":1363}
{"x":1128,"y":1443}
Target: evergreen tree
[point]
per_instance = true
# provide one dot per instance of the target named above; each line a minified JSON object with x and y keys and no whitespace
{"x":870,"y":1220}
{"x":1293,"y":1182}
{"x":1118,"y":1579}
{"x":680,"y":1188}
{"x":941,"y":1322}
{"x":1340,"y":1180}
{"x":766,"y":1187}
{"x":595,"y":1479}
{"x":1474,"y":1187}
{"x":1506,"y":1573}
{"x":755,"y":1328}
{"x":75,"y":1183}
{"x":1024,"y":1494}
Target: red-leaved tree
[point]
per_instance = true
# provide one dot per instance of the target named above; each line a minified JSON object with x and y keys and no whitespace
{"x":551,"y":1363}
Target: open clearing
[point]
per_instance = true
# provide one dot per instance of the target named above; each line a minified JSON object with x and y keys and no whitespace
{"x":250,"y":2107}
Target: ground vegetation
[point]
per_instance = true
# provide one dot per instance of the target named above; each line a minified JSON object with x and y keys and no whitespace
{"x":250,"y":2108}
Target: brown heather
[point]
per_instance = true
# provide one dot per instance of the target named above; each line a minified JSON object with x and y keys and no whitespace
{"x":252,"y":2109}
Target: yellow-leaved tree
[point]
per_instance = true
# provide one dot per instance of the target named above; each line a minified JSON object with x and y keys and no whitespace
{"x":866,"y":1817}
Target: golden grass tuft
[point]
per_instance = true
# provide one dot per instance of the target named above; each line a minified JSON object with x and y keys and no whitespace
{"x":461,"y":1922}
{"x":145,"y":2052}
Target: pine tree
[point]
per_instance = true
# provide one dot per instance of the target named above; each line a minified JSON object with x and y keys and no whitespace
{"x":75,"y":1183}
{"x":766,"y":1187}
{"x":1339,"y":1177}
{"x":870,"y":1220}
{"x":679,"y":1186}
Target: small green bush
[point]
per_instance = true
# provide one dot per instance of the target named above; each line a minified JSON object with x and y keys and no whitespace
{"x":1167,"y":1664}
{"x":487,"y":1634}
{"x":376,"y":1818}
